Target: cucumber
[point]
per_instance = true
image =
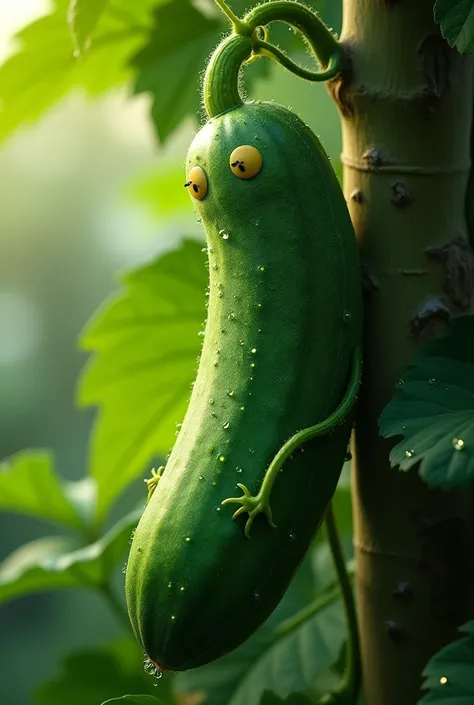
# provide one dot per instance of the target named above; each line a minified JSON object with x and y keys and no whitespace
{"x":271,"y":407}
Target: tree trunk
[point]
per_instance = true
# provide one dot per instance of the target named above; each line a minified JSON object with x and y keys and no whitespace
{"x":405,"y":100}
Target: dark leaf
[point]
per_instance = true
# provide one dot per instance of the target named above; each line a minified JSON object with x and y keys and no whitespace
{"x":433,"y":410}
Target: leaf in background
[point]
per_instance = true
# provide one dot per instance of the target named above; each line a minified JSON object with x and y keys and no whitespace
{"x":161,"y":191}
{"x":29,"y":485}
{"x":456,"y":19}
{"x":93,"y":676}
{"x":134,"y":700}
{"x":83,"y":16}
{"x":300,"y":641}
{"x":269,"y":698}
{"x":146,"y":347}
{"x":170,"y":66}
{"x":44,"y":70}
{"x":434,"y":410}
{"x":449,"y":675}
{"x":56,"y":562}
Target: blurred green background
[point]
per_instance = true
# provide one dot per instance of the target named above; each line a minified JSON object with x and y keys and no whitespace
{"x":79,"y":202}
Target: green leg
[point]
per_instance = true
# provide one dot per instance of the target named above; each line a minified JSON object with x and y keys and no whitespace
{"x":152,"y":482}
{"x":260,"y":503}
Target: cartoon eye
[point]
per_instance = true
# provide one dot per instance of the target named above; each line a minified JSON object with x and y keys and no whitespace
{"x":197,"y":183}
{"x":245,"y":161}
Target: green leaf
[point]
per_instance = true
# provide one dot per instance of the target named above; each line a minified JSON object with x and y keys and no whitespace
{"x":83,"y":16}
{"x":300,"y":641}
{"x":456,"y":19}
{"x":146,"y":347}
{"x":433,"y":410}
{"x":161,"y":191}
{"x":269,"y":698}
{"x":449,"y":675}
{"x":134,"y":700}
{"x":29,"y":485}
{"x":170,"y":66}
{"x":50,"y":563}
{"x":92,"y":676}
{"x":44,"y":70}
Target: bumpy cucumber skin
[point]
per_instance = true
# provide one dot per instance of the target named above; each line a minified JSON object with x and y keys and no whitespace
{"x":283,"y":322}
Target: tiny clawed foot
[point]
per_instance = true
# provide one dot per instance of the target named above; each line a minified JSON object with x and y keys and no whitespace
{"x":253,"y":505}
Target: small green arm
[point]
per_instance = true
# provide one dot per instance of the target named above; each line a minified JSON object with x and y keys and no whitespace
{"x":260,"y":503}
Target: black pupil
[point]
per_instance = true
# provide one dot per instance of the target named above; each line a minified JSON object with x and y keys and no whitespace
{"x":195,"y":188}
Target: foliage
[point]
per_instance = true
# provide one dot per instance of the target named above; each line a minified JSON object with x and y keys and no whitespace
{"x":456,"y":19}
{"x":29,"y":485}
{"x":434,"y":410}
{"x":91,"y":676}
{"x":146,"y":347}
{"x":55,"y":562}
{"x":449,"y":676}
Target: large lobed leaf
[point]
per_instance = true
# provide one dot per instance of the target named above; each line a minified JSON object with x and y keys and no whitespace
{"x":44,"y":68}
{"x":449,"y":676}
{"x":145,"y":343}
{"x":169,"y":67}
{"x":29,"y":485}
{"x":456,"y":19}
{"x":56,"y":562}
{"x":83,"y":17}
{"x":433,"y":410}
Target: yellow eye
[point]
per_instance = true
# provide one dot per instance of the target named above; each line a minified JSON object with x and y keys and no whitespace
{"x":197,"y":183}
{"x":245,"y":161}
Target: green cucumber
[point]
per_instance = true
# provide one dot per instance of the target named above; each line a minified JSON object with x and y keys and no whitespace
{"x":271,"y":407}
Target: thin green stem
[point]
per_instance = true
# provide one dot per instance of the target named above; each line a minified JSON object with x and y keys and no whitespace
{"x":349,"y":692}
{"x":239,"y":26}
{"x":263,"y":48}
{"x":116,"y":605}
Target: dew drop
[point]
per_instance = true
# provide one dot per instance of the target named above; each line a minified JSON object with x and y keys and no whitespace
{"x":231,"y":317}
{"x":239,"y":470}
{"x":179,"y":426}
{"x":292,"y":535}
{"x":218,"y":509}
{"x":173,"y":617}
{"x":182,"y":588}
{"x":214,"y":484}
{"x":400,"y":382}
{"x":434,"y":382}
{"x":253,"y":351}
{"x":409,"y":453}
{"x":203,"y":249}
{"x":211,"y":401}
{"x":347,"y":316}
{"x":348,"y":455}
{"x":214,"y":266}
{"x":242,"y":408}
{"x":187,"y":539}
{"x":256,"y":595}
{"x":230,"y":393}
{"x":170,"y":584}
{"x":252,"y":364}
{"x":221,"y":458}
{"x":259,"y":305}
{"x":201,"y":477}
{"x":224,"y":235}
{"x":226,"y":425}
{"x":458,"y":444}
{"x":443,"y":680}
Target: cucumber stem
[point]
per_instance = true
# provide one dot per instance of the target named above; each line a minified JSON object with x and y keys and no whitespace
{"x":245,"y":44}
{"x":239,"y":26}
{"x":349,"y":692}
